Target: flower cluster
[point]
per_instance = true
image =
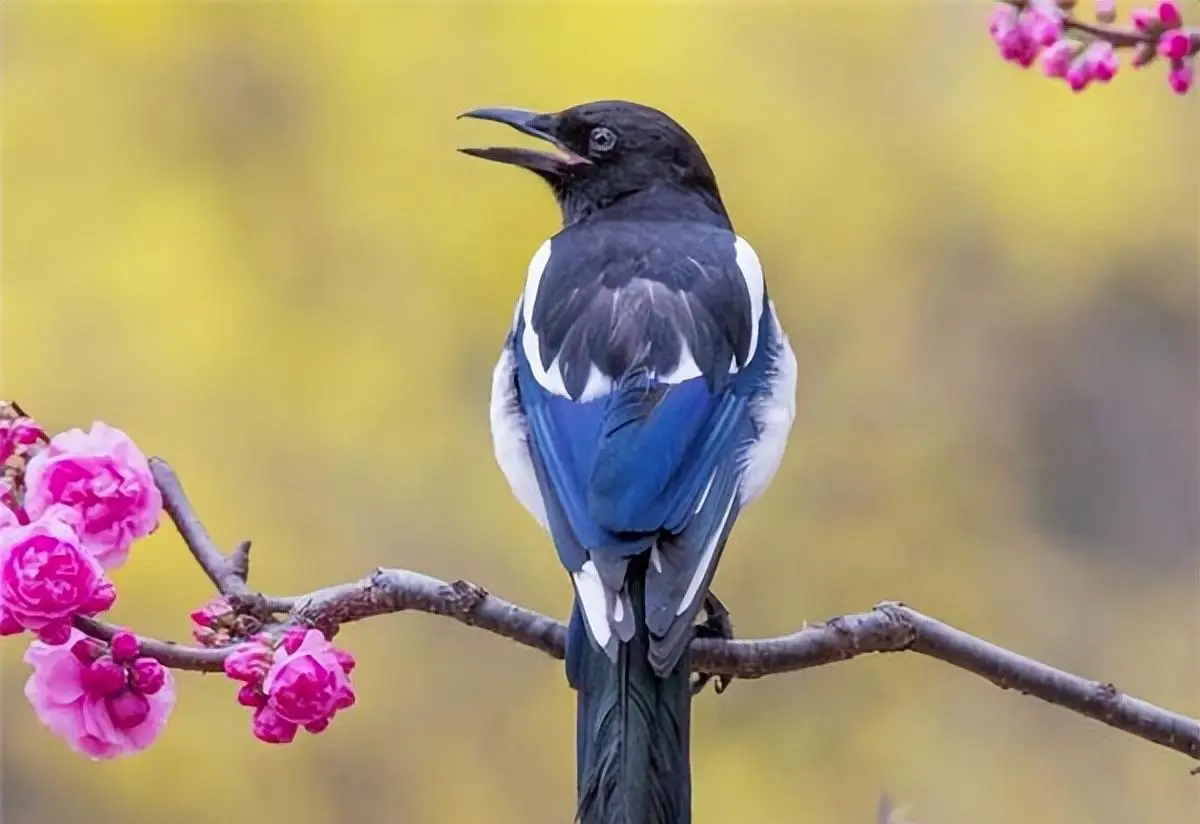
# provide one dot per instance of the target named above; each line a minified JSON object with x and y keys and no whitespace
{"x":302,"y":682}
{"x":1082,"y":53}
{"x":73,"y":506}
{"x":87,"y":496}
{"x":105,"y":701}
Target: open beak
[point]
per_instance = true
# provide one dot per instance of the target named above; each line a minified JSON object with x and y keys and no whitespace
{"x":547,"y":164}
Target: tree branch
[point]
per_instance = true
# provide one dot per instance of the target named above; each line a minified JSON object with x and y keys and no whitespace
{"x":889,"y":627}
{"x":228,"y":574}
{"x":1120,"y":37}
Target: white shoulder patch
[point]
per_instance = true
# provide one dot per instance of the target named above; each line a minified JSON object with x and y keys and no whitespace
{"x":510,"y":438}
{"x":773,"y":413}
{"x":751,"y":269}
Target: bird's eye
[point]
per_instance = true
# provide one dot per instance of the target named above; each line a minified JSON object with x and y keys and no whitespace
{"x":602,"y":139}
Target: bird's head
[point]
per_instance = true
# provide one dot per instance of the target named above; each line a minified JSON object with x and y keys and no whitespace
{"x":603,"y":152}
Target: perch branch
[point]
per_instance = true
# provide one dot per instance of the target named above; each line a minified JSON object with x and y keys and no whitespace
{"x":889,"y":627}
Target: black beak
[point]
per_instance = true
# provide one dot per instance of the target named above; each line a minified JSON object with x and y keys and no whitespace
{"x":547,"y":164}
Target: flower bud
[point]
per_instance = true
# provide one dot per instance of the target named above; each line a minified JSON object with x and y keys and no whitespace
{"x":1144,"y":20}
{"x":147,"y":676}
{"x":316,"y":727}
{"x":271,"y":728}
{"x":54,"y":634}
{"x":127,"y":709}
{"x":1181,"y":76}
{"x":102,"y":599}
{"x":1169,"y":14}
{"x":1143,"y":53}
{"x":1174,"y":45}
{"x":125,"y":647}
{"x":104,"y":676}
{"x":87,"y":650}
{"x":251,"y":696}
{"x":204,"y":636}
{"x":211,"y":614}
{"x":248,"y":662}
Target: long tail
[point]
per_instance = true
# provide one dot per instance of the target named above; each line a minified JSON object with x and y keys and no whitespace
{"x":632,"y":728}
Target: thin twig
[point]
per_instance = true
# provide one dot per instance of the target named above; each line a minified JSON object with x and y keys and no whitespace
{"x":889,"y":627}
{"x":167,"y":653}
{"x":1119,"y":37}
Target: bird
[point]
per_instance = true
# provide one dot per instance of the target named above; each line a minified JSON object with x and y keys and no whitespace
{"x":643,"y":398}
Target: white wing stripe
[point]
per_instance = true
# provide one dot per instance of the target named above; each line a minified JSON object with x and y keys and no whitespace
{"x":751,"y":269}
{"x":705,"y":562}
{"x":593,"y":603}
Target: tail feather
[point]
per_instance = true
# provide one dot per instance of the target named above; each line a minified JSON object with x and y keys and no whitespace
{"x":633,"y":731}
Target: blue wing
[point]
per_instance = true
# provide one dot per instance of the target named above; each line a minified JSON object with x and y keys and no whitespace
{"x":648,"y":467}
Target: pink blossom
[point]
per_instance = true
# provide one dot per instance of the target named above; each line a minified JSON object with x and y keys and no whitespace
{"x":103,"y":476}
{"x":308,"y":684}
{"x":46,"y":578}
{"x":18,"y":434}
{"x":1106,"y":10}
{"x":1169,"y":14}
{"x":1181,"y":75}
{"x":96,"y":724}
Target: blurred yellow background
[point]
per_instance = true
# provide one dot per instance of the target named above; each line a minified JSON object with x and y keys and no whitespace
{"x":241,"y":233}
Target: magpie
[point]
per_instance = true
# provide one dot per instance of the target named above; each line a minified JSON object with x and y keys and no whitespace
{"x":642,"y":399}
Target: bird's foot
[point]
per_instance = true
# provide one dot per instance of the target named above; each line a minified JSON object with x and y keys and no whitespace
{"x":717,"y":623}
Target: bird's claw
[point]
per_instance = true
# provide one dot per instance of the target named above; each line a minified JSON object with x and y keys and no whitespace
{"x":717,"y":623}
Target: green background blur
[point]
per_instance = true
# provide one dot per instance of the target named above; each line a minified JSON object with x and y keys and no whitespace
{"x":241,"y":233}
